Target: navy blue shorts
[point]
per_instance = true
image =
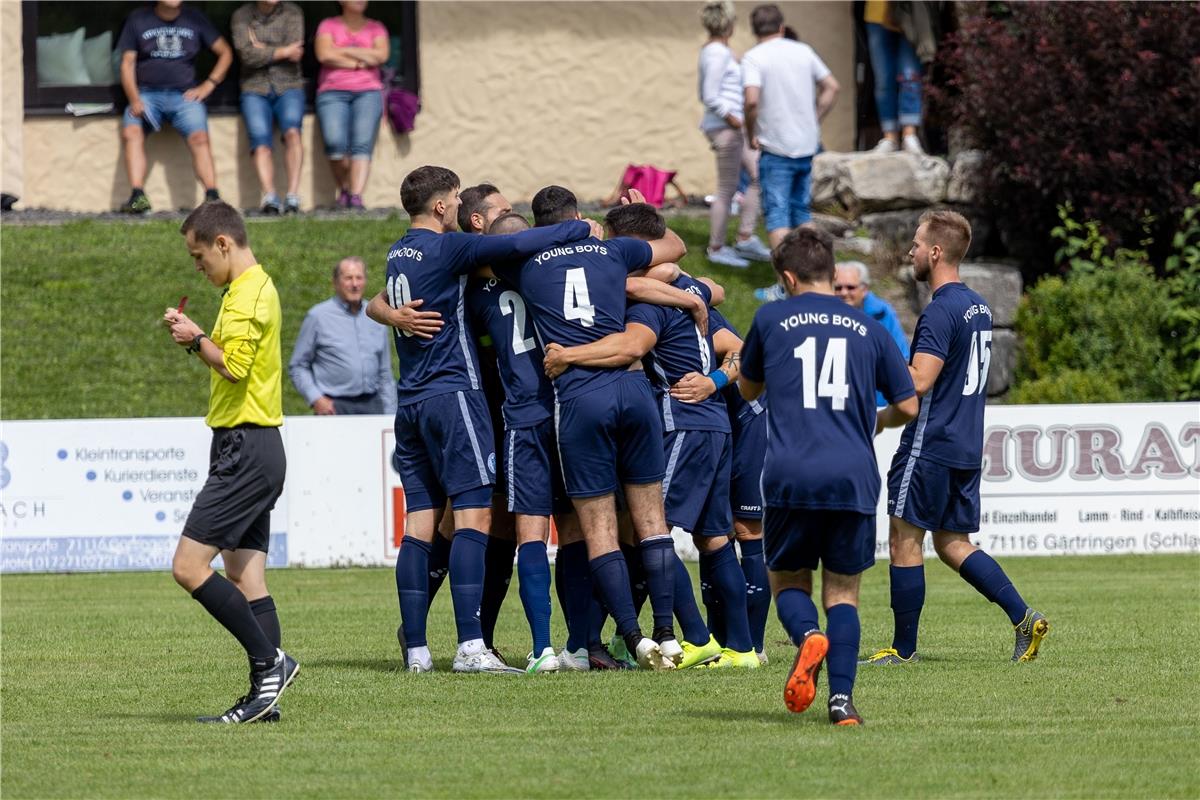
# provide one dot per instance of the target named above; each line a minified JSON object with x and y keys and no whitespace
{"x":444,"y":449}
{"x":932,"y":496}
{"x":531,"y":474}
{"x":610,"y":436}
{"x":749,"y":453}
{"x":800,"y":538}
{"x":696,"y":486}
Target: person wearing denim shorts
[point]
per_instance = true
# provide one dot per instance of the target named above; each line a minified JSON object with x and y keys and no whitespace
{"x":788,"y":90}
{"x":159,"y":45}
{"x":269,"y":40}
{"x":350,"y":48}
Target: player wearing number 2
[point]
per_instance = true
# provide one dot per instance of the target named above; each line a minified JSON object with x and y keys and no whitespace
{"x":822,"y":361}
{"x":933,"y":484}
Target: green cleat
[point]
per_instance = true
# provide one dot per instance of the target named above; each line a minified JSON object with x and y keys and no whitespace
{"x":620,"y":653}
{"x":889,"y":657}
{"x":1030,"y":632}
{"x":698,"y":655}
{"x":732,"y":659}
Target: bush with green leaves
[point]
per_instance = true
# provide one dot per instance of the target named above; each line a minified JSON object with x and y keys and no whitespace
{"x":1110,"y":330}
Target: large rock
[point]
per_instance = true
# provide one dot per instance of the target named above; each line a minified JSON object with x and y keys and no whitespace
{"x":999,"y":283}
{"x":826,"y":168}
{"x":965,"y":176}
{"x":868,"y":182}
{"x":1004,"y":361}
{"x":837,"y":227}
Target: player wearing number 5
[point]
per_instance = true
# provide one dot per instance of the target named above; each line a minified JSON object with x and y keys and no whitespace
{"x":822,"y":362}
{"x":933,"y":484}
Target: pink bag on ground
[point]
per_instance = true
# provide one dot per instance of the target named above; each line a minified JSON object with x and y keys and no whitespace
{"x":651,"y":181}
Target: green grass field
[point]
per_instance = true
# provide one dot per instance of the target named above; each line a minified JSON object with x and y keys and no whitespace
{"x":103,"y":673}
{"x":82,"y":303}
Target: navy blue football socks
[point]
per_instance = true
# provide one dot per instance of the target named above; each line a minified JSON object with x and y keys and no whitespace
{"x":228,"y":606}
{"x":730,"y":584}
{"x":637,"y":575}
{"x":658,"y":557}
{"x":575,"y":592}
{"x":439,"y":564}
{"x":467,"y":559}
{"x":611,"y":579}
{"x":758,"y":589}
{"x":533,"y":573}
{"x":268,"y":619}
{"x":712,"y":601}
{"x":908,"y":597}
{"x":796,"y":613}
{"x":691,"y":624}
{"x":497,"y":575}
{"x":412,"y":585}
{"x":981,"y":571}
{"x":597,"y":616}
{"x":842,"y":628}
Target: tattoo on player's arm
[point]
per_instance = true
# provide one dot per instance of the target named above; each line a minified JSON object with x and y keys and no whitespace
{"x":732,"y":365}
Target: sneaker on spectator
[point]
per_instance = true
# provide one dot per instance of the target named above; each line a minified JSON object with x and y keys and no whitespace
{"x":753,"y":249}
{"x":727,"y":256}
{"x":270,"y":204}
{"x":913,"y":145}
{"x":292,"y":204}
{"x":137,"y":203}
{"x":356,"y":203}
{"x":211,"y":195}
{"x":885,"y":146}
{"x":343,"y":199}
{"x":769,"y":294}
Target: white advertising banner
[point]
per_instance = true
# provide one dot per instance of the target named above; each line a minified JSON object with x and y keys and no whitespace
{"x":87,"y":495}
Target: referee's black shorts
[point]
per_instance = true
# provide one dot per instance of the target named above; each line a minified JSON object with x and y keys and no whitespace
{"x":245,"y":478}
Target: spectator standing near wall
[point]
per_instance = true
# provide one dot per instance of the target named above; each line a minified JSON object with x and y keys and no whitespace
{"x":341,"y":363}
{"x":350,"y":48}
{"x":788,"y":90}
{"x":897,"y":72}
{"x":269,"y":39}
{"x":159,"y":45}
{"x":721,"y":94}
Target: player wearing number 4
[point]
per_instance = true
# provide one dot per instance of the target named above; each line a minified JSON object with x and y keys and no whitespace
{"x":822,"y":362}
{"x":933,"y":484}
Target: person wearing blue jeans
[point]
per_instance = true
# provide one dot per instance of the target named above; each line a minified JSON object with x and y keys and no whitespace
{"x":349,"y":125}
{"x":897,"y":71}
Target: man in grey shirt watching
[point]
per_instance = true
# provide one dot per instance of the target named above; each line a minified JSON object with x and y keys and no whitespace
{"x":342,"y":362}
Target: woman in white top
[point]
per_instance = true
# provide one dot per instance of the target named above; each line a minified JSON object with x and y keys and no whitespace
{"x":721,"y":94}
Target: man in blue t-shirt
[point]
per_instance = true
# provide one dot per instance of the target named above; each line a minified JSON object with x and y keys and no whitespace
{"x":933,"y":484}
{"x":159,"y":45}
{"x":748,"y":426}
{"x":853,"y":284}
{"x":443,"y":431}
{"x":820,"y":481}
{"x":605,"y":418}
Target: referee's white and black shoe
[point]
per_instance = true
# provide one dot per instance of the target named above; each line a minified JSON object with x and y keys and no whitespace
{"x":267,"y":684}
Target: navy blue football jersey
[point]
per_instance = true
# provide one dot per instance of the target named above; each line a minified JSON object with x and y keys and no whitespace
{"x":822,"y":361}
{"x":680,"y":349}
{"x":740,"y":412}
{"x":956,"y":327}
{"x":433,"y":267}
{"x":495,"y":308}
{"x":576,"y":293}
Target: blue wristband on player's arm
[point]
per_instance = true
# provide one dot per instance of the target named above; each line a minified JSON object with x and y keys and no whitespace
{"x":719,"y":378}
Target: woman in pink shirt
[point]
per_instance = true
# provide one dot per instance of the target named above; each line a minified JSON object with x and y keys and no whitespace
{"x":350,"y":49}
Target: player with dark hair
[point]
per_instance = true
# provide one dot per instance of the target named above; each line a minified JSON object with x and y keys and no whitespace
{"x":232,"y":513}
{"x":607,"y":426}
{"x":481,"y":205}
{"x":933,"y":483}
{"x":443,"y":429}
{"x":697,"y":443}
{"x":820,"y":480}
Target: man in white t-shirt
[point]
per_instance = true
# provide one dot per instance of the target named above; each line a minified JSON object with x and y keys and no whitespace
{"x":788,"y":91}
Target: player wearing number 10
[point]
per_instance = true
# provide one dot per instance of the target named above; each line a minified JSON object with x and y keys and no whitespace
{"x":933,"y":484}
{"x":822,"y":362}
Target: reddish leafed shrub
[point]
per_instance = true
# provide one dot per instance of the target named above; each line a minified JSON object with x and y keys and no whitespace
{"x":1093,"y":104}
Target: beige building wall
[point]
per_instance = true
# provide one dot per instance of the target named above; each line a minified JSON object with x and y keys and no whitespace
{"x":12,"y":108}
{"x":520,"y":94}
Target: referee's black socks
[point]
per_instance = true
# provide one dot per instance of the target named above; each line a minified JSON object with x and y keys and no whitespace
{"x":268,"y":619}
{"x":229,"y":607}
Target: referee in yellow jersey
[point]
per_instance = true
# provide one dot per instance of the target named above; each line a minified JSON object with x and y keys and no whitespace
{"x":232,"y":513}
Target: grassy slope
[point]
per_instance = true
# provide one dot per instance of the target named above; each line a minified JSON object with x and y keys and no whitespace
{"x":81,"y":303}
{"x":102,"y":674}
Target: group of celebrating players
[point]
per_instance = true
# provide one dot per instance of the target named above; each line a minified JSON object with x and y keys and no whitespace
{"x":626,"y":408}
{"x":580,"y":375}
